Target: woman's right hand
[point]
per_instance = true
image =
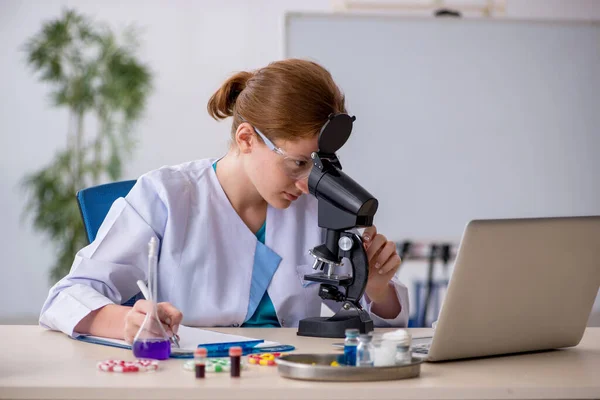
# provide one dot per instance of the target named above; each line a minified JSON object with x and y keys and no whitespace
{"x":169,"y":316}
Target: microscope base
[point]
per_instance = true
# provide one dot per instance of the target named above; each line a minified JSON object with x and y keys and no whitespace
{"x":328,"y":327}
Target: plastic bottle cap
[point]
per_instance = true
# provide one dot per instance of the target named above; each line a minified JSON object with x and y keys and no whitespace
{"x":400,"y":336}
{"x":352,"y":332}
{"x":235,"y":351}
{"x":365,"y":338}
{"x":200,"y":352}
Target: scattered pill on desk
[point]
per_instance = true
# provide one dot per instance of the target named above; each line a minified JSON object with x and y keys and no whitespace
{"x":128,"y":366}
{"x":334,"y":364}
{"x":265,"y":359}
{"x":212,"y":365}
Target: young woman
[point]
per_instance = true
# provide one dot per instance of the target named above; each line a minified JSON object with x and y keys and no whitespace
{"x":234,"y":232}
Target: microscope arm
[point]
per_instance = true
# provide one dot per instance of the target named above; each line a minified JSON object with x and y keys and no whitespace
{"x":360,"y":266}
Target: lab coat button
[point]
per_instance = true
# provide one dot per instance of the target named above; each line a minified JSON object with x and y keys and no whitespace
{"x":235,"y":325}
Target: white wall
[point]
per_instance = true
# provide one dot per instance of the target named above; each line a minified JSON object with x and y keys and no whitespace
{"x":192,"y":47}
{"x":581,"y":10}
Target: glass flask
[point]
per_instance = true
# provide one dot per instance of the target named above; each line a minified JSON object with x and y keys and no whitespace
{"x":152,"y":340}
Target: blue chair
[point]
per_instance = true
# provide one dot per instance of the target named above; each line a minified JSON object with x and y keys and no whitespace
{"x":94,"y":203}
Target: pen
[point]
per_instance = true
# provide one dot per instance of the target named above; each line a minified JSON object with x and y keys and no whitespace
{"x":146,"y":294}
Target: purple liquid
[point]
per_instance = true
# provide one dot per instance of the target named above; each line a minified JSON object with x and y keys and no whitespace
{"x":157,"y":349}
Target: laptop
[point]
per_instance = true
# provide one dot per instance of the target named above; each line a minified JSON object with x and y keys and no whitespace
{"x":519,"y":285}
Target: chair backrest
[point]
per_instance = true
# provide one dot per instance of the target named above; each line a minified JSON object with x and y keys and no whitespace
{"x":418,"y":302}
{"x":94,"y":203}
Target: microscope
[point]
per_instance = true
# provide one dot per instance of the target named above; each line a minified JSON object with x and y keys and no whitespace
{"x":342,"y":206}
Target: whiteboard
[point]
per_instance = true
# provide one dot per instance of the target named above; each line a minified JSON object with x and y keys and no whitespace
{"x":460,"y":119}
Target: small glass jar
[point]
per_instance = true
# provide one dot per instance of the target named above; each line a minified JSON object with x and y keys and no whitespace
{"x":350,"y":344}
{"x":384,"y":351}
{"x":365,"y":351}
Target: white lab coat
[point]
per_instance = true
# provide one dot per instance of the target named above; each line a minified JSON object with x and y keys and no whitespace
{"x":206,"y":255}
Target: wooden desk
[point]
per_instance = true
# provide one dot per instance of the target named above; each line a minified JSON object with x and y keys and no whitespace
{"x":38,"y":364}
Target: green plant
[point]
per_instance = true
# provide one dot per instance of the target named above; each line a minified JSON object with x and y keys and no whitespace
{"x":97,"y":77}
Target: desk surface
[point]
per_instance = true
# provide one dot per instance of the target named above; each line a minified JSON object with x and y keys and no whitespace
{"x":40,"y":364}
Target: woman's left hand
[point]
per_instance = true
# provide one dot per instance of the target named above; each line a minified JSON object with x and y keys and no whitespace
{"x":384,"y":262}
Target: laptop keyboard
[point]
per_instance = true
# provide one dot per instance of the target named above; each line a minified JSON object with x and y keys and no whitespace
{"x":421,"y":348}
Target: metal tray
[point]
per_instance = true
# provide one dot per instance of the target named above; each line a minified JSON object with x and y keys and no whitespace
{"x":316,"y":367}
